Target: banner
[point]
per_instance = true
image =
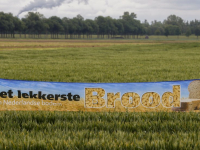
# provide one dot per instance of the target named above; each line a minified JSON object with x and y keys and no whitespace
{"x":96,"y":97}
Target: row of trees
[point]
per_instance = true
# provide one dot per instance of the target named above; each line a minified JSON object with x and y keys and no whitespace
{"x":173,"y":25}
{"x":127,"y":26}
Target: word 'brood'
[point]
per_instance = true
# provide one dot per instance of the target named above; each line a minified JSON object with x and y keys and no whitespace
{"x":94,"y":99}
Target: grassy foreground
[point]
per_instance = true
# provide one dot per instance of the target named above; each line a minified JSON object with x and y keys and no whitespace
{"x":99,"y":61}
{"x":78,"y":130}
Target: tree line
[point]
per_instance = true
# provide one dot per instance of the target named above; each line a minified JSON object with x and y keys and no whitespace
{"x":35,"y":24}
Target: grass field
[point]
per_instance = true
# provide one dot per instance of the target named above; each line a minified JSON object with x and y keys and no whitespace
{"x":99,"y":61}
{"x":78,"y":130}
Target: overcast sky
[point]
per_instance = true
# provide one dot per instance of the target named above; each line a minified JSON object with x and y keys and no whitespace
{"x":145,"y":9}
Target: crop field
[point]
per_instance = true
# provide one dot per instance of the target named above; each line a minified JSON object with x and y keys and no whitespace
{"x":99,"y":61}
{"x":78,"y":130}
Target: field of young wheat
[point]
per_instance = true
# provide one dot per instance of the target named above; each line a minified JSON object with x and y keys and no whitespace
{"x":107,"y":130}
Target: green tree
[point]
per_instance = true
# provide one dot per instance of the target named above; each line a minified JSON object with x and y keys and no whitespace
{"x":35,"y":23}
{"x":18,"y":26}
{"x":155,"y":25}
{"x":101,"y":21}
{"x":131,"y":26}
{"x":157,"y":32}
{"x":110,"y":27}
{"x":174,"y":20}
{"x":193,"y":25}
{"x":6,"y":24}
{"x":117,"y":28}
{"x":166,"y":32}
{"x":66,"y":22}
{"x":55,"y":26}
{"x":72,"y":27}
{"x":177,"y":31}
{"x":90,"y":27}
{"x":87,"y":28}
{"x":188,"y":32}
{"x":197,"y":32}
{"x":80,"y":25}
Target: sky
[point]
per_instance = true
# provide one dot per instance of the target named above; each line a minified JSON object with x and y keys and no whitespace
{"x":89,"y":9}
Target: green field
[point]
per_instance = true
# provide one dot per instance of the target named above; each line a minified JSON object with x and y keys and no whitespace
{"x":80,"y":130}
{"x":99,"y":61}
